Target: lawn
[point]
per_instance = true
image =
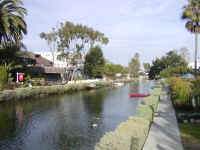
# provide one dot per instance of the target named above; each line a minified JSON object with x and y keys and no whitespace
{"x":190,"y":135}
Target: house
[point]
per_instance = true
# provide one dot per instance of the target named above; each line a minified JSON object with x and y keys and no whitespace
{"x":53,"y":57}
{"x":39,"y":66}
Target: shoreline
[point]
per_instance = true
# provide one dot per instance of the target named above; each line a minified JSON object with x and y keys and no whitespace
{"x":132,"y":133}
{"x":43,"y":91}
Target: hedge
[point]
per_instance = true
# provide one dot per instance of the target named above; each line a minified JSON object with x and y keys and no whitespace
{"x":132,"y":134}
{"x":3,"y":77}
{"x":144,"y":111}
{"x":125,"y":134}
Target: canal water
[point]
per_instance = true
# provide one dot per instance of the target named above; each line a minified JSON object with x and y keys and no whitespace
{"x":68,"y":122}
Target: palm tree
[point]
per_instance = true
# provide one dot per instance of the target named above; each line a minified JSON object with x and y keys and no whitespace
{"x":12,"y":24}
{"x":191,"y":14}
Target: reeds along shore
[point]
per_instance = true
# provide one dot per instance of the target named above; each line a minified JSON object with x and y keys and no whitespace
{"x":42,"y":91}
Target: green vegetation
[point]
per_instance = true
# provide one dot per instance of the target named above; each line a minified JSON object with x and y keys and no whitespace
{"x":73,"y":41}
{"x":147,"y":67}
{"x":169,"y":65}
{"x":145,"y":111}
{"x":180,"y":90}
{"x":51,"y":39}
{"x":94,"y":63}
{"x":134,"y":65}
{"x":110,"y":70}
{"x":191,"y":14}
{"x":132,"y":133}
{"x":3,"y":77}
{"x":12,"y":24}
{"x":37,"y":91}
{"x":134,"y":130}
{"x":190,"y":133}
{"x":41,"y":91}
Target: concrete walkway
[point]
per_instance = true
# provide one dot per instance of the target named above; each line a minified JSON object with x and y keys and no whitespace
{"x":164,"y":133}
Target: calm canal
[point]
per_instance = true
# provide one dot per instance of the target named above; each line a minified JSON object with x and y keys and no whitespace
{"x":66,"y":122}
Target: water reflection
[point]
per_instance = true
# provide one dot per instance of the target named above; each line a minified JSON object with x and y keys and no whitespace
{"x":65,"y":122}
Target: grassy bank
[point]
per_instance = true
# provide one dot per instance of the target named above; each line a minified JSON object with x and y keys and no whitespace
{"x":132,"y":134}
{"x":42,"y":91}
{"x":190,"y":136}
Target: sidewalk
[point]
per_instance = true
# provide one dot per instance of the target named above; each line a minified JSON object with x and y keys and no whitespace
{"x":164,"y":133}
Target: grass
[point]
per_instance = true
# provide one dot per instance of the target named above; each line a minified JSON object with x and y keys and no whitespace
{"x":190,"y":135}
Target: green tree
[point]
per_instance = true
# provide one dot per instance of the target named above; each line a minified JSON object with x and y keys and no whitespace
{"x":51,"y":39}
{"x":75,"y":39}
{"x":185,"y":54}
{"x":172,"y":61}
{"x":146,"y":67}
{"x":134,"y":65}
{"x":112,"y":69}
{"x":94,"y":63}
{"x":191,"y":14}
{"x":12,"y":24}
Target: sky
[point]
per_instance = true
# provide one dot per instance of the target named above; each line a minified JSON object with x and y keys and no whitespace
{"x":149,"y":27}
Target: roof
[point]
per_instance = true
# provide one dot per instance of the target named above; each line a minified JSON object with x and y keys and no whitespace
{"x":48,"y":70}
{"x":41,"y":61}
{"x":54,"y":70}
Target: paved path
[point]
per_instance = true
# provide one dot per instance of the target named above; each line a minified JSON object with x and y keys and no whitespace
{"x":164,"y":133}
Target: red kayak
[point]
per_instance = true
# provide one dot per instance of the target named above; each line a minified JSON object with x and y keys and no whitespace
{"x":138,"y":95}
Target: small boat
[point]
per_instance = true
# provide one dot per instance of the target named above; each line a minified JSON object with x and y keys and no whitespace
{"x":118,"y":84}
{"x":138,"y":95}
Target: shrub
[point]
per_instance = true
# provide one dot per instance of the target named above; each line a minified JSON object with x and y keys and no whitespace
{"x":3,"y":77}
{"x":131,"y":134}
{"x":196,"y":86}
{"x":122,"y":137}
{"x":180,"y":90}
{"x":144,"y":111}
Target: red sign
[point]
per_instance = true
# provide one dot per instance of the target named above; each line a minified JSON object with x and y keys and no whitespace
{"x":20,"y":77}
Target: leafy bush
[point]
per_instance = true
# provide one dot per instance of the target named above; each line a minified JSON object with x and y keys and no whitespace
{"x":196,"y":86}
{"x":178,"y":70}
{"x":131,"y":134}
{"x":180,"y":90}
{"x":144,"y":111}
{"x":3,"y":77}
{"x":37,"y":91}
{"x":122,"y":137}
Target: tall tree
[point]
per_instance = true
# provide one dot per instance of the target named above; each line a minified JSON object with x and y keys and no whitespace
{"x":191,"y":14}
{"x":75,"y":39}
{"x":185,"y":54}
{"x":112,"y":69}
{"x":51,"y":39}
{"x":171,"y":60}
{"x":146,"y":67}
{"x":12,"y":24}
{"x":94,"y":63}
{"x":134,"y":65}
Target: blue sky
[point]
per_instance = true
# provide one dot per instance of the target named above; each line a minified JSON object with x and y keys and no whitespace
{"x":149,"y":27}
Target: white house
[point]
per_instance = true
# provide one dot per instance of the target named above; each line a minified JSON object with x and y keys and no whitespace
{"x":58,"y":63}
{"x":53,"y":58}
